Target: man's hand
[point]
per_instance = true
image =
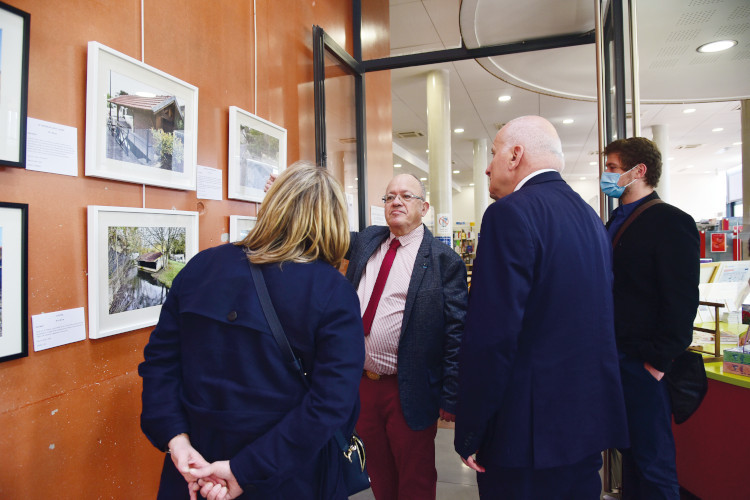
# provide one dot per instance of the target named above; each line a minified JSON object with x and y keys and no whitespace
{"x":448,"y":417}
{"x":471,"y":463}
{"x":226,"y":488}
{"x":269,"y":182}
{"x":653,"y":371}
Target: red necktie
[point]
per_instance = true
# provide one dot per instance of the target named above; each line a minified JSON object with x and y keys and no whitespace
{"x":377,"y":290}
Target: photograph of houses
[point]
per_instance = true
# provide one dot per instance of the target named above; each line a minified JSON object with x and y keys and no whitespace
{"x":145,"y":125}
{"x":142,"y":262}
{"x":259,"y":156}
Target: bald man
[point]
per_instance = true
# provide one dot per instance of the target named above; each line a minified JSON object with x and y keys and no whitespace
{"x":539,"y":387}
{"x":413,"y":331}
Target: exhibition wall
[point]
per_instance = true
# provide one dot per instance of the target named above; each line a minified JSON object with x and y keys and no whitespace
{"x":70,"y":414}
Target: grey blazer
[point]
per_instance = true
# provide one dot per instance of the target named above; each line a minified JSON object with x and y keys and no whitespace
{"x":432,"y":327}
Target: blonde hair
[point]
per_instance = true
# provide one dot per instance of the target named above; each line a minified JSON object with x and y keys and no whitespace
{"x":303,"y":218}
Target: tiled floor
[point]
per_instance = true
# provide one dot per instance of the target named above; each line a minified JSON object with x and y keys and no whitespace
{"x":455,"y":480}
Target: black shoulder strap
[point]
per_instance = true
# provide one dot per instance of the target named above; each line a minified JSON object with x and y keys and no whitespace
{"x":273,"y":321}
{"x":638,"y":211}
{"x":278,"y":333}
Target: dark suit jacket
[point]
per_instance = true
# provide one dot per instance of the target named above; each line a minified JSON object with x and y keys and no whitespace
{"x":539,"y":383}
{"x":657,"y":271}
{"x":213,"y":369}
{"x":433,"y":323}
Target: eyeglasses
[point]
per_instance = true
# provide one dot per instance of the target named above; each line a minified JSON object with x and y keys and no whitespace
{"x":405,"y":197}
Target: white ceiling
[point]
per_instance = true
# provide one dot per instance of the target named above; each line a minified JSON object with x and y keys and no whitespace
{"x":561,"y":84}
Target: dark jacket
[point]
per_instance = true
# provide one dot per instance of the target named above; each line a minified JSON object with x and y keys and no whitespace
{"x":213,"y":369}
{"x":432,"y":326}
{"x":657,"y":269}
{"x":539,"y":380}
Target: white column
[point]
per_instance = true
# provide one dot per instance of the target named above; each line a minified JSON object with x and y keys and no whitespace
{"x":481,"y":190}
{"x":439,"y":157}
{"x":745,"y":137}
{"x":661,"y":138}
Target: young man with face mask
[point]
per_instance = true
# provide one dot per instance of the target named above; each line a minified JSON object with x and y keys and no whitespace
{"x":656,"y":261}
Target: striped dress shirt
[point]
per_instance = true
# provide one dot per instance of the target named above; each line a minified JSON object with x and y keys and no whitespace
{"x":381,"y":345}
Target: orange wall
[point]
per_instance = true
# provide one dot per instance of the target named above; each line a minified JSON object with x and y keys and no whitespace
{"x":69,"y":415}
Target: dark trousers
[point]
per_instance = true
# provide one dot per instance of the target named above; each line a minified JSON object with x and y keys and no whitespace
{"x":400,"y":461}
{"x":579,"y":481}
{"x":648,"y":466}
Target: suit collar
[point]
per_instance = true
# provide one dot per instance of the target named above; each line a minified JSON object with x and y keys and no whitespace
{"x":543,"y":177}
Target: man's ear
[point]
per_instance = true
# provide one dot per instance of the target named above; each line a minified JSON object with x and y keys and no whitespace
{"x":425,"y":208}
{"x":516,"y":155}
{"x":642,"y":169}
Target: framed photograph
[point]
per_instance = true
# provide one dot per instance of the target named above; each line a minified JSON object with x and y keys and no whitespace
{"x":239,"y":226}
{"x":14,"y":82}
{"x":257,"y":148}
{"x":134,"y":254}
{"x":14,"y":230}
{"x":141,"y":123}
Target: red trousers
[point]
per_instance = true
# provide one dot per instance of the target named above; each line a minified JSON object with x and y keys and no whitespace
{"x":400,"y":461}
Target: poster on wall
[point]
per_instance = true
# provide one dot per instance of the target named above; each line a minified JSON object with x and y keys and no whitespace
{"x":240,"y":226}
{"x":257,"y":148}
{"x":14,"y":229}
{"x":134,"y":255}
{"x":141,"y":123}
{"x":14,"y":78}
{"x":718,"y":242}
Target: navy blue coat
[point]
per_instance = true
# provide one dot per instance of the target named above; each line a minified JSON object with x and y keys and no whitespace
{"x":539,"y":382}
{"x":432,"y":326}
{"x":213,"y":369}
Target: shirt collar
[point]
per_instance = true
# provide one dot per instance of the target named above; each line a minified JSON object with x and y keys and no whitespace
{"x":532,"y":174}
{"x":416,"y":234}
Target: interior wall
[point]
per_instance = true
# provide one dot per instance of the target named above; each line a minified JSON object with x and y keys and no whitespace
{"x":70,"y":415}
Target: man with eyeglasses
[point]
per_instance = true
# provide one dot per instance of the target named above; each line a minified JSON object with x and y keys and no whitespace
{"x":413,"y":295}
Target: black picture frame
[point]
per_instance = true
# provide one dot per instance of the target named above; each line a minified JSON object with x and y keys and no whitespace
{"x":14,"y":67}
{"x":14,"y":232}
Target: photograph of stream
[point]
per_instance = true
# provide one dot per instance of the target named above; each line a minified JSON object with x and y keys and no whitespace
{"x":142,"y":262}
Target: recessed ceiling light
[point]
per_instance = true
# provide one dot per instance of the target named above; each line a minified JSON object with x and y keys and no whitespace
{"x":458,"y":130}
{"x":717,"y":129}
{"x":568,"y":121}
{"x":504,"y":98}
{"x":593,"y":163}
{"x":717,"y":46}
{"x":423,"y":178}
{"x":397,"y":165}
{"x":689,"y":110}
{"x":350,"y":187}
{"x":737,"y":143}
{"x":471,"y":184}
{"x":582,"y":178}
{"x":456,"y":171}
{"x":689,"y":166}
{"x":426,"y":150}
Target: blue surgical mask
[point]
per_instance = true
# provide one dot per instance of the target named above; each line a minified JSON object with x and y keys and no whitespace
{"x":609,"y":186}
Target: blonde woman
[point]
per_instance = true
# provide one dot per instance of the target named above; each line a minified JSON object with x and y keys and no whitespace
{"x":218,"y":394}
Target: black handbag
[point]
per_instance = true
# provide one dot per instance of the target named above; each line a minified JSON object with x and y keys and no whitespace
{"x":352,"y":457}
{"x":687,"y":385}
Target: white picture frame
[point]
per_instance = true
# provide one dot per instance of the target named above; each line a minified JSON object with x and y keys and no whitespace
{"x":257,"y":148}
{"x":239,"y":226}
{"x":141,"y":123}
{"x":122,"y":242}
